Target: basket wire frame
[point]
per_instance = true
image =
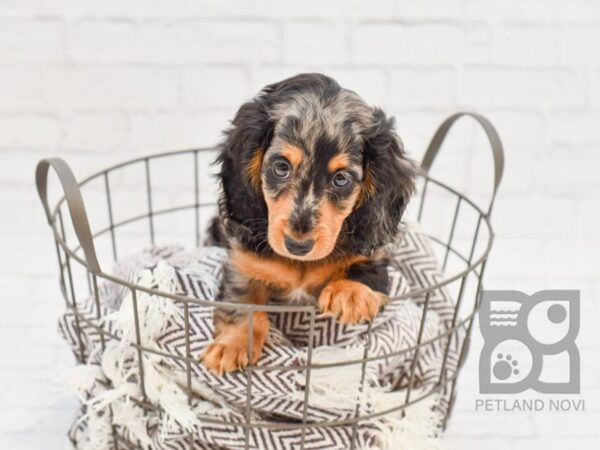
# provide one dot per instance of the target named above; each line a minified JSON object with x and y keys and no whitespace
{"x":83,"y":253}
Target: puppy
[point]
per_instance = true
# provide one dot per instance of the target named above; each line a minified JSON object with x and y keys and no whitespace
{"x":314,"y":183}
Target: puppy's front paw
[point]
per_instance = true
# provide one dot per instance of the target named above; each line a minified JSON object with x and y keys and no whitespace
{"x":350,"y":301}
{"x":226,"y":355}
{"x":229,"y":350}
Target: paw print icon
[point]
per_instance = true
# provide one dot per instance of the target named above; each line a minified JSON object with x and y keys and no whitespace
{"x":505,"y":367}
{"x":529,"y":342}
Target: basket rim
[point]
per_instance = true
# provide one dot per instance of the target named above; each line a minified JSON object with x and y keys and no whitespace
{"x":72,"y":252}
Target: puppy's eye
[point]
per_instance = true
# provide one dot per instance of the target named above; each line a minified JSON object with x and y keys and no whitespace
{"x":281,"y":169}
{"x":341,"y":180}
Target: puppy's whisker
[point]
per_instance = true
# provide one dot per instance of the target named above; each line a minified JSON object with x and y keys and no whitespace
{"x":262,"y":245}
{"x":254,"y":220}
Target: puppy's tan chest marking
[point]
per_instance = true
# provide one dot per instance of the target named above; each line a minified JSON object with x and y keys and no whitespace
{"x":300,"y":296}
{"x":292,"y":278}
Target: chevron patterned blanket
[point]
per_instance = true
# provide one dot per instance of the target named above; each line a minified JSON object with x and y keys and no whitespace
{"x":211,"y":417}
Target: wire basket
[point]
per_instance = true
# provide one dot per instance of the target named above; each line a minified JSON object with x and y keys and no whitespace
{"x":464,"y":254}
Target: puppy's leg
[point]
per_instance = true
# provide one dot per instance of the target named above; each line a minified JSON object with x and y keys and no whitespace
{"x":229,"y":349}
{"x":359,"y":296}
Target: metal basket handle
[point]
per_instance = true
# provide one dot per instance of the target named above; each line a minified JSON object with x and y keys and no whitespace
{"x":75,"y":203}
{"x":492,"y":135}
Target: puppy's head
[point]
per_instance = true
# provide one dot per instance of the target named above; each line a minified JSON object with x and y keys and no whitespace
{"x":309,"y":169}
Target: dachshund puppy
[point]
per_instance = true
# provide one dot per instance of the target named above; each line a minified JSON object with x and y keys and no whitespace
{"x":314,"y":183}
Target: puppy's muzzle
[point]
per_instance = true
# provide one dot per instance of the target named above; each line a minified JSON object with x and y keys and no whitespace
{"x":298,"y":248}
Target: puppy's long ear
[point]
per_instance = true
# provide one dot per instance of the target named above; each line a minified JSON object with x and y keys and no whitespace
{"x":387,"y":186}
{"x":240,"y":156}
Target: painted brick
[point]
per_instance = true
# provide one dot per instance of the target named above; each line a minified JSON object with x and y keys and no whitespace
{"x":20,"y":89}
{"x":215,"y":87}
{"x":397,"y":43}
{"x":227,"y":41}
{"x":30,"y":131}
{"x":103,"y":87}
{"x":315,"y":43}
{"x":421,"y":88}
{"x":100,"y":41}
{"x":96,"y":131}
{"x":581,"y":45}
{"x":26,"y":41}
{"x":526,"y":45}
{"x":520,"y":88}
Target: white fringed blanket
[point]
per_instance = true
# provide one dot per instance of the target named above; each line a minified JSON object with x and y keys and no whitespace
{"x":111,"y":377}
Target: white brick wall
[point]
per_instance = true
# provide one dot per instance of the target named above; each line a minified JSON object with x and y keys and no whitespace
{"x":97,"y":82}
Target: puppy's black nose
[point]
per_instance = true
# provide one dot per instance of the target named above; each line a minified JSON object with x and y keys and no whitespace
{"x":298,"y":248}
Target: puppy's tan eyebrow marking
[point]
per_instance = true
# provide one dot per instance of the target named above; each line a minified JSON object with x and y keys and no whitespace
{"x":339,"y":161}
{"x":293,"y":154}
